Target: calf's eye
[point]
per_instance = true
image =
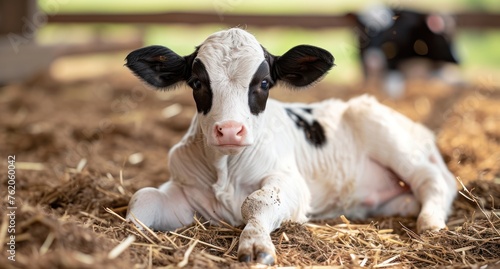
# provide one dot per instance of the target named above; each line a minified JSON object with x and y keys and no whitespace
{"x":264,"y":85}
{"x":195,"y":84}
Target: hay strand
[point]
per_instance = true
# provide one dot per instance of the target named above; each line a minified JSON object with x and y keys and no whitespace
{"x":115,"y":214}
{"x":81,"y":165}
{"x":185,"y":260}
{"x":471,"y":197}
{"x":120,"y":248}
{"x":201,"y":242}
{"x":3,"y":232}
{"x":47,"y":243}
{"x":30,"y":166}
{"x":146,"y":228}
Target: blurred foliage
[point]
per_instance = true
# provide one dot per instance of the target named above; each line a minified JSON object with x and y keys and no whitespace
{"x":482,"y":5}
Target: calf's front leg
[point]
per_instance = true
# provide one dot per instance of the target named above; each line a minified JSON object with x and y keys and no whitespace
{"x":279,"y":199}
{"x":163,"y":209}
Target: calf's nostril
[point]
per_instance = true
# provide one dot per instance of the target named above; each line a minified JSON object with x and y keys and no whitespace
{"x":241,"y":132}
{"x":218,"y":131}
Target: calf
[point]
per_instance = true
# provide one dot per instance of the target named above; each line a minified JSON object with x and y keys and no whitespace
{"x":247,"y":159}
{"x":391,"y":38}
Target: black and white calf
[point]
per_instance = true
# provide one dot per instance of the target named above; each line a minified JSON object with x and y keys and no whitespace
{"x":247,"y":159}
{"x":394,"y":43}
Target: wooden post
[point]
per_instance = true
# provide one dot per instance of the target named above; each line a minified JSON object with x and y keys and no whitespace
{"x":15,"y":16}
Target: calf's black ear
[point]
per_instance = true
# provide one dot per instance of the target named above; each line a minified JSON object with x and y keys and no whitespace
{"x":302,"y":65}
{"x":159,"y":66}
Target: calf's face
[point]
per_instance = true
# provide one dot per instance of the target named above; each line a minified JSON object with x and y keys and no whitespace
{"x":230,"y":74}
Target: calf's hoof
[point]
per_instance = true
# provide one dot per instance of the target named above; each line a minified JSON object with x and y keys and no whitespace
{"x":261,"y":257}
{"x":430,"y":222}
{"x":256,"y":246}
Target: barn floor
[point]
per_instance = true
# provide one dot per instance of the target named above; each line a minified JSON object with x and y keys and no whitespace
{"x":83,"y":145}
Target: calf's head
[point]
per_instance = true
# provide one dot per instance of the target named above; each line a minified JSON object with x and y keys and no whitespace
{"x":230,"y":74}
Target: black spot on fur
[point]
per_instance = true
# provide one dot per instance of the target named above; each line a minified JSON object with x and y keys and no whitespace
{"x":307,"y":110}
{"x":313,"y":132}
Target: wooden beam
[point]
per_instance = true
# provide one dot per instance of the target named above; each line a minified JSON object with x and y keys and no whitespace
{"x":478,"y":20}
{"x":307,"y":21}
{"x":464,"y":20}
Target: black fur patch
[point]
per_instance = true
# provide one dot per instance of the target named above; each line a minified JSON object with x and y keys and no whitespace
{"x":257,"y":95}
{"x":313,"y":131}
{"x":307,"y":110}
{"x":200,"y":83}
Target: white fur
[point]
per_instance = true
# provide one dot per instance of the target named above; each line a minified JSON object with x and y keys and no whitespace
{"x":377,"y":17}
{"x":231,"y":58}
{"x":281,"y":176}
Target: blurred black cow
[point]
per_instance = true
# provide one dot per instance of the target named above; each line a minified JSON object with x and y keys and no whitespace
{"x":389,"y":39}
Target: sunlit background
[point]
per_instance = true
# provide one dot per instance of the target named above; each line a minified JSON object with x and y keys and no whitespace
{"x":477,"y":49}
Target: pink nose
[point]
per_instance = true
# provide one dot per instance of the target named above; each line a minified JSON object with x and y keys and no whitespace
{"x":229,"y":133}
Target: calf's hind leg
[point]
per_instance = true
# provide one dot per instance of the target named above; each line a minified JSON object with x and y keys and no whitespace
{"x":165,"y":208}
{"x":404,"y":205}
{"x":409,"y":150}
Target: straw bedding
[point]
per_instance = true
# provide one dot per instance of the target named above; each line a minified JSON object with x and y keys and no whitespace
{"x":83,"y":147}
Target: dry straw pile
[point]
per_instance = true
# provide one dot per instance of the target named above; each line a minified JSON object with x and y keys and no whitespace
{"x":76,"y":173}
{"x":103,"y":239}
